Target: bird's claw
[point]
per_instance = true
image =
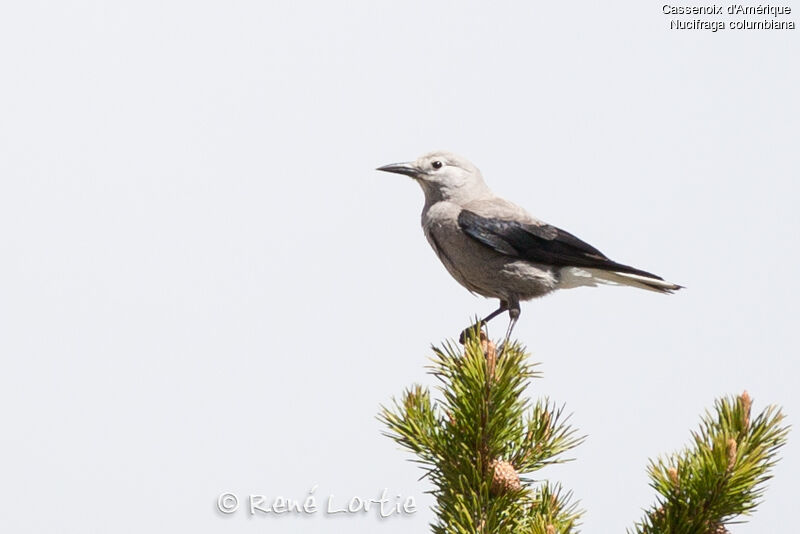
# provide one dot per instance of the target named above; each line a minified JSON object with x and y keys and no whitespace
{"x":471,"y":331}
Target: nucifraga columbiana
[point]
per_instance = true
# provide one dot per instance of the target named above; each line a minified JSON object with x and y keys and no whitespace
{"x":496,"y":249}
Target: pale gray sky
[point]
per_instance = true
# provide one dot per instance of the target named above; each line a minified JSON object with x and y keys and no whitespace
{"x":206,"y":287}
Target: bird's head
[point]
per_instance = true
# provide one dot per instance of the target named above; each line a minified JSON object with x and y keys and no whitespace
{"x":443,"y":176}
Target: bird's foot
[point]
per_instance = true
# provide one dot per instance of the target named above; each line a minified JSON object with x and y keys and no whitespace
{"x":472,"y":331}
{"x":502,"y":348}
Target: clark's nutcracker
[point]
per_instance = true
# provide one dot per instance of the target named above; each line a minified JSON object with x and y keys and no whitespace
{"x":496,"y":249}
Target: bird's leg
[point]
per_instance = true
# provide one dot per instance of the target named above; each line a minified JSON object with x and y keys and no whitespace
{"x":503,"y":307}
{"x":513,"y":314}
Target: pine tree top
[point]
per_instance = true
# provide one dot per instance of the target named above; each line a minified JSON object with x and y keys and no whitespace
{"x":480,"y":436}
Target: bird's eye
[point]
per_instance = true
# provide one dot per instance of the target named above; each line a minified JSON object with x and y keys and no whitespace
{"x":436,"y":164}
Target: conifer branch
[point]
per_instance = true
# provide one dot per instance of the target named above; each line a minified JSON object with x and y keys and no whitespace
{"x":721,"y":475}
{"x":552,"y":511}
{"x":476,"y":440}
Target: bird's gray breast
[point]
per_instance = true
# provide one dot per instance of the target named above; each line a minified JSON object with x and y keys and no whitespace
{"x":440,"y":224}
{"x":477,"y":267}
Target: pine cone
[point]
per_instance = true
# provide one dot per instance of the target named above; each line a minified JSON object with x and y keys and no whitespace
{"x":504,"y":477}
{"x":718,"y":529}
{"x":673,"y":476}
{"x":491,"y":357}
{"x":731,"y":452}
{"x":746,"y":404}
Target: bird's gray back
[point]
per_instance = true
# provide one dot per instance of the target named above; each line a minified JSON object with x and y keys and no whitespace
{"x":499,"y":208}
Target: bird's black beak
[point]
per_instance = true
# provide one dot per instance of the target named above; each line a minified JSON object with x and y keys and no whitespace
{"x":400,"y":168}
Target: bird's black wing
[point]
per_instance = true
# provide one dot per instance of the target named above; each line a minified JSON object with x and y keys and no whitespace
{"x":539,"y":244}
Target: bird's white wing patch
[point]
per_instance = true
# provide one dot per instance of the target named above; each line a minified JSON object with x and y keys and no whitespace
{"x":571,"y":277}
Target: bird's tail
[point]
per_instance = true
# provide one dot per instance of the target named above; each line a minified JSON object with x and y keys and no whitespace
{"x":634,"y":280}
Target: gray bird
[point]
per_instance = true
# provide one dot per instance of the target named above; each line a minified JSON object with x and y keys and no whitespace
{"x":496,"y":249}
